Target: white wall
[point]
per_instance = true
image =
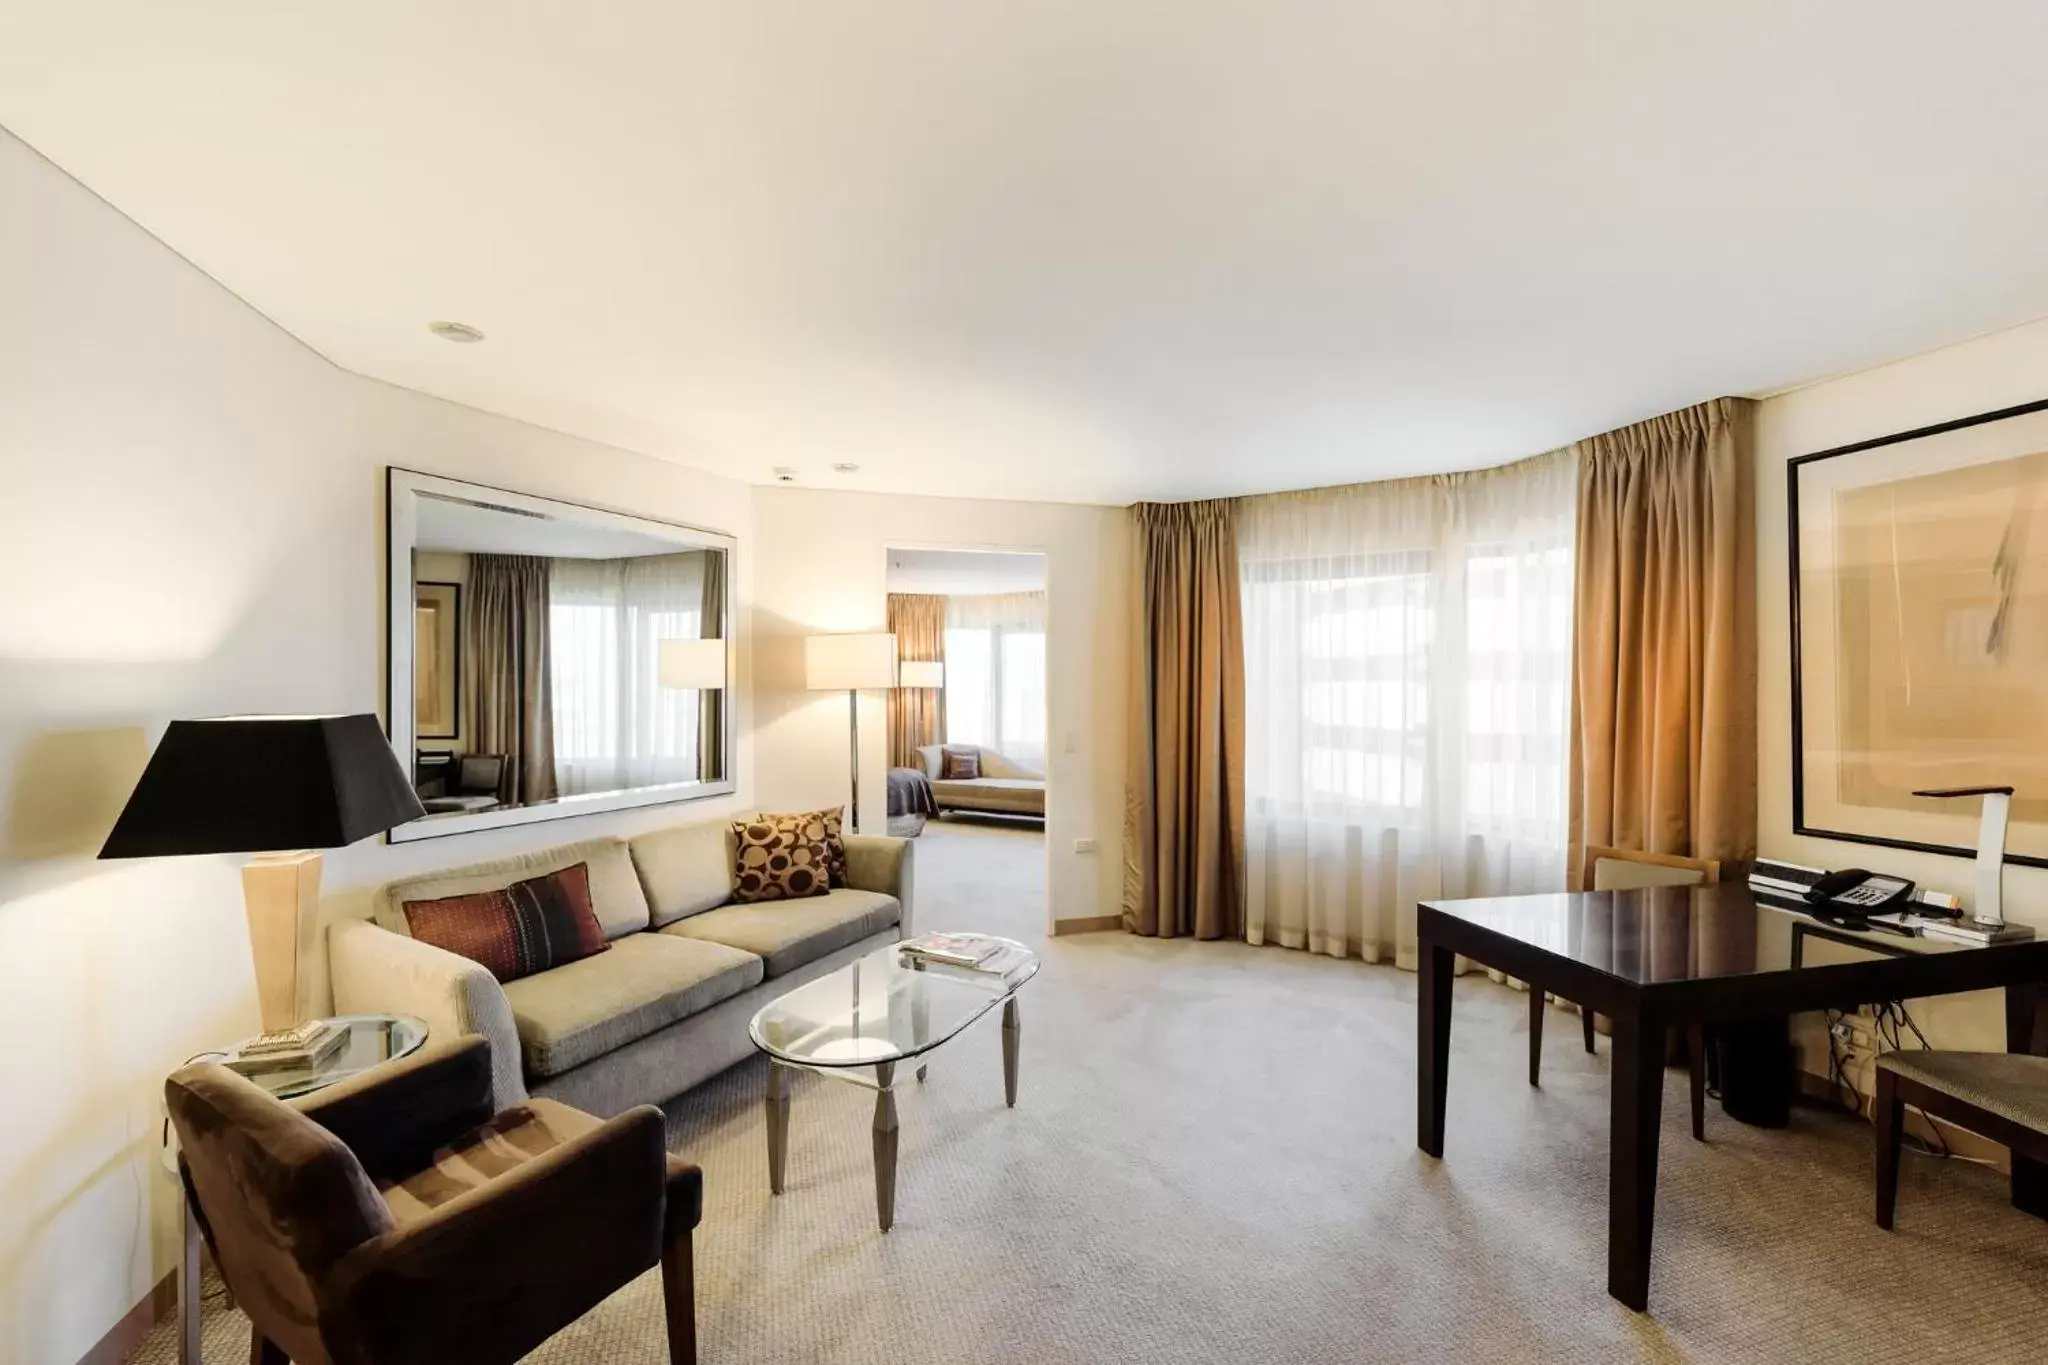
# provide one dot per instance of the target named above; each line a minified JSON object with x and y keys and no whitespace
{"x":190,"y":523}
{"x":1978,"y":376}
{"x":821,"y":568}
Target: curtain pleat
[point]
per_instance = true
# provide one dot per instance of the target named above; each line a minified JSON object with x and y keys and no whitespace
{"x":1664,"y":661}
{"x":711,"y":702}
{"x":1184,"y":832}
{"x":916,"y":714}
{"x":505,"y":662}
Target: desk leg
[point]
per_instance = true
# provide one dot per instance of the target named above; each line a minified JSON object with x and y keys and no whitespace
{"x":1432,"y":1043}
{"x":2023,"y":1034}
{"x":1536,"y":998}
{"x":1636,"y":1108}
{"x":190,"y":1352}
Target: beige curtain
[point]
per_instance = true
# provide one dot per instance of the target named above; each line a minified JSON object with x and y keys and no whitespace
{"x":1663,"y":739}
{"x":505,"y":665}
{"x":711,"y":702}
{"x":916,"y":714}
{"x":1184,"y":839}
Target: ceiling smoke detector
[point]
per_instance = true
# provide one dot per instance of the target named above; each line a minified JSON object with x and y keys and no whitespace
{"x":785,"y":473}
{"x":460,"y":332}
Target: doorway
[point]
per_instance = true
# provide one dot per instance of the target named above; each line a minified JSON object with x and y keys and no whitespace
{"x":968,"y":753}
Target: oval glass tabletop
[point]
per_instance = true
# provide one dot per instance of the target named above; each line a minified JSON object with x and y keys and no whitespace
{"x":887,"y":1006}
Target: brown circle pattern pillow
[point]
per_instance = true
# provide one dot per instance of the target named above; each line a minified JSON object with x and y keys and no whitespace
{"x":826,"y":826}
{"x":776,"y":859}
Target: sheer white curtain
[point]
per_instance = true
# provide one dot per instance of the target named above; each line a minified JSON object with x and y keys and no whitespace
{"x":615,"y":725}
{"x":1407,"y":664}
{"x":995,"y":675}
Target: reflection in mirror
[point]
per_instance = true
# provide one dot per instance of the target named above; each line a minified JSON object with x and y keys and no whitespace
{"x":558,"y":659}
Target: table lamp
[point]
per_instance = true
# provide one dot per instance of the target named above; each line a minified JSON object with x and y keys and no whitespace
{"x":1990,"y":907}
{"x":278,"y":786}
{"x":834,"y":663}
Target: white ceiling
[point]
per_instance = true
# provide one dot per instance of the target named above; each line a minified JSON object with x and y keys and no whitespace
{"x":1066,"y":248}
{"x":953,"y":572}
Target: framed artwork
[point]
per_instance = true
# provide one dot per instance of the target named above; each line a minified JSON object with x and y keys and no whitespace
{"x":437,"y":650}
{"x":1919,"y":575}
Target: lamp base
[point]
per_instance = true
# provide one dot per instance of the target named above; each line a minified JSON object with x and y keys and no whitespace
{"x":281,"y":892}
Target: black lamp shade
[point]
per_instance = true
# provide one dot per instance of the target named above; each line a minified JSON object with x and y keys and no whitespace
{"x":263,"y":784}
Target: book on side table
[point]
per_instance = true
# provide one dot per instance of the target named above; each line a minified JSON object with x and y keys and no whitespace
{"x":294,"y":1049}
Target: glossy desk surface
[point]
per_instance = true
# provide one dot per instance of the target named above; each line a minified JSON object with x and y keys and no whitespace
{"x":1666,"y":934}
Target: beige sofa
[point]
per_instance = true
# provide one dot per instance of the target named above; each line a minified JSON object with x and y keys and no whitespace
{"x":667,"y":1006}
{"x":1004,"y":788}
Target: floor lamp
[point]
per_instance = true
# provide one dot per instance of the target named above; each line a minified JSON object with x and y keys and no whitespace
{"x":848,"y":663}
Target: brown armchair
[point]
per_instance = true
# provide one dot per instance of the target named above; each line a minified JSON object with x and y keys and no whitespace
{"x":394,"y":1218}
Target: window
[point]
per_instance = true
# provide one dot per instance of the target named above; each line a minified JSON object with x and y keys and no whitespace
{"x":995,"y":675}
{"x":1407,"y":663}
{"x":615,"y":726}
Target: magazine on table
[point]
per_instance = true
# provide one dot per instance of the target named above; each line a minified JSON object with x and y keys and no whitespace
{"x":958,"y":950}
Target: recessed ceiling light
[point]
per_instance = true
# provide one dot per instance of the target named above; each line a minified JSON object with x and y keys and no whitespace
{"x":455,"y":331}
{"x":845,"y":467}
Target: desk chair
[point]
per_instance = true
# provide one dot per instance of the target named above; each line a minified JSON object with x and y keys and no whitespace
{"x":1625,"y":869}
{"x":2003,"y":1095}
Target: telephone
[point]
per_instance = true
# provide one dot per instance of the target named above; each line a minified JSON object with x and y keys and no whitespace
{"x":1853,"y":893}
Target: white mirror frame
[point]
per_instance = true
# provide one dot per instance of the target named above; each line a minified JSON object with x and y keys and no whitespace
{"x":401,"y":493}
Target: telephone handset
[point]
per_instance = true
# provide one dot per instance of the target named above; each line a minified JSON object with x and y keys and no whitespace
{"x":1854,"y":892}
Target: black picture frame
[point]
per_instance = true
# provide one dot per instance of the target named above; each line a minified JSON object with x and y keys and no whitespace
{"x":1800,"y":824}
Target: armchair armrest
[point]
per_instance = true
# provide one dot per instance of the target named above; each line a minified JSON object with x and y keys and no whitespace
{"x":377,"y":971}
{"x":495,"y":1271}
{"x":876,"y":862}
{"x":395,"y":1117}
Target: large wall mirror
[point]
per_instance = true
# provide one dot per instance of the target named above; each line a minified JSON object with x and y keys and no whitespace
{"x":549,"y":660}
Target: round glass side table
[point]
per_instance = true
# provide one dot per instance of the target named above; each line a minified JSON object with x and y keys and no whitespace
{"x":372,"y":1040}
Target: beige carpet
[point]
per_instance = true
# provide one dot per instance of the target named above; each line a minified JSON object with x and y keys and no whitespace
{"x":1213,"y":1159}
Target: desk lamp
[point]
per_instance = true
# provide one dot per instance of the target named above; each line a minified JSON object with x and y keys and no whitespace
{"x":1990,"y":906}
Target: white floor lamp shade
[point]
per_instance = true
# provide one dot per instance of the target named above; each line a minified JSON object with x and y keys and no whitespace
{"x":921,"y":673}
{"x":698,"y":665}
{"x":848,"y":663}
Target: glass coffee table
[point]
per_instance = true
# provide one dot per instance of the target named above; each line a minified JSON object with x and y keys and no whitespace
{"x":859,"y":1023}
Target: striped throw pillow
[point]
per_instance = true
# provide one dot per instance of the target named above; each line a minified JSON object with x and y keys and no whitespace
{"x":517,"y":930}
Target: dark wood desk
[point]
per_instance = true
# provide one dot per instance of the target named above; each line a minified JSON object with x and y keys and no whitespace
{"x":1665,"y":957}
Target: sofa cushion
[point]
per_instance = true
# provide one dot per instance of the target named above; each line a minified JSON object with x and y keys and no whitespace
{"x":963,"y":764}
{"x":517,"y":930}
{"x":684,"y":870}
{"x":615,"y":894}
{"x":787,"y":934}
{"x":575,"y":1013}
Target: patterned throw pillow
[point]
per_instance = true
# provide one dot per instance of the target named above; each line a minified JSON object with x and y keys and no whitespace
{"x":823,"y":826}
{"x":776,"y":859}
{"x":959,"y":764}
{"x":517,"y":930}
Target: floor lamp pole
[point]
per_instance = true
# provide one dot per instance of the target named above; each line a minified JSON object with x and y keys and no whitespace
{"x":853,"y":753}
